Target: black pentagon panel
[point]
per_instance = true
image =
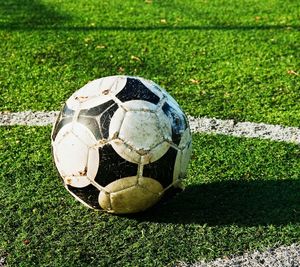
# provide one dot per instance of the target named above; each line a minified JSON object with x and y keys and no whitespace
{"x":96,"y":111}
{"x":54,"y":129}
{"x":106,"y":118}
{"x":136,"y":90}
{"x":92,"y":125}
{"x":162,"y":170}
{"x":178,"y":121}
{"x":59,"y":125}
{"x":113,"y":167}
{"x":88,"y":194}
{"x":67,"y":112}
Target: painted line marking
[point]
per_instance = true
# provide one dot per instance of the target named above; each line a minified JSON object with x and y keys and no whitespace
{"x":29,"y":118}
{"x":198,"y":125}
{"x":284,"y":256}
{"x":245,"y":129}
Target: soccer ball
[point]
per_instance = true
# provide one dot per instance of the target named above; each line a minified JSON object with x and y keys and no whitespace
{"x":119,"y":143}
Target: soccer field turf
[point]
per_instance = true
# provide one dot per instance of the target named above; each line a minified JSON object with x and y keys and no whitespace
{"x":226,"y":59}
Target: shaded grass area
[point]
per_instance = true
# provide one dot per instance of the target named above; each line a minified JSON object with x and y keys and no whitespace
{"x":28,"y":14}
{"x":234,"y":60}
{"x":241,"y":194}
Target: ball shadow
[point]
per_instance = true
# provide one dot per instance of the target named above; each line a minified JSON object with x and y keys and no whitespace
{"x":247,"y":203}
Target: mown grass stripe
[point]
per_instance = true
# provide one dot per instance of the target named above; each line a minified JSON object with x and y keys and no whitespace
{"x":198,"y":125}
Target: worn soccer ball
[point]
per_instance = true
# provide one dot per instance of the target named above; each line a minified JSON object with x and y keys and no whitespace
{"x":119,"y":143}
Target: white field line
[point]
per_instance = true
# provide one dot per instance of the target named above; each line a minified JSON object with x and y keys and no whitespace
{"x":198,"y":125}
{"x":245,"y":129}
{"x":284,"y":256}
{"x":28,"y":118}
{"x":2,"y":262}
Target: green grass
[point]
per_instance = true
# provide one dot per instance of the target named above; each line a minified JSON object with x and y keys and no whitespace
{"x":227,"y":59}
{"x":241,"y":194}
